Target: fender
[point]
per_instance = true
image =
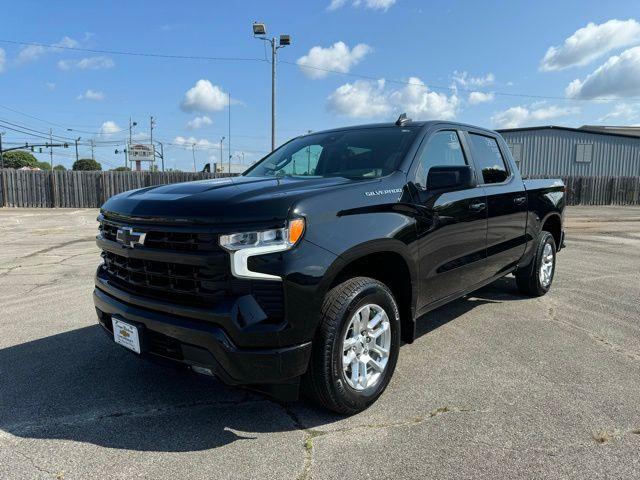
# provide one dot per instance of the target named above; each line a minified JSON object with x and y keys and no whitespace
{"x":379,"y":248}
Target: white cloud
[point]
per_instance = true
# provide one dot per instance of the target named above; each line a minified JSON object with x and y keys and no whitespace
{"x":204,"y":97}
{"x":338,"y":57}
{"x":199,"y":122}
{"x":364,"y":98}
{"x":528,"y":115}
{"x":361,"y":98}
{"x":109,"y":127}
{"x":199,"y":142}
{"x":476,"y":98}
{"x":464,"y":80}
{"x":3,"y":59}
{"x":622,"y":111}
{"x":383,"y":5}
{"x":94,"y":95}
{"x":30,"y":53}
{"x":89,"y":63}
{"x":418,"y":101}
{"x":50,"y":86}
{"x":616,"y":78}
{"x":591,"y":42}
{"x":336,"y":4}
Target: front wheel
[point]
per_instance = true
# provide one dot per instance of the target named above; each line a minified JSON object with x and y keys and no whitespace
{"x":535,"y":279}
{"x":356,"y":348}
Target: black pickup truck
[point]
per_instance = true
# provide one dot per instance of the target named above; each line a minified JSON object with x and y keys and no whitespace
{"x":313,"y":266}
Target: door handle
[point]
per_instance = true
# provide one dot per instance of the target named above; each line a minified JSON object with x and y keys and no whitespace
{"x":519,"y":200}
{"x":478,"y":206}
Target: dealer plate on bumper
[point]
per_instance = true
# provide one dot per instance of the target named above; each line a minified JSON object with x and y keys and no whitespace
{"x":126,"y":334}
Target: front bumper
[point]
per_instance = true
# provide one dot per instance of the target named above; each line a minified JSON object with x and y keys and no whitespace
{"x":200,"y":343}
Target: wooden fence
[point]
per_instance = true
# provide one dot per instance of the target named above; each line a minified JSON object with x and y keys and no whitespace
{"x":23,"y":188}
{"x":602,"y":190}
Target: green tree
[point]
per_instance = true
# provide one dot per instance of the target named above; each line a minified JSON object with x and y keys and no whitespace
{"x":43,"y":165}
{"x":121,"y":169}
{"x":19,"y":159}
{"x":60,"y":168}
{"x":86,"y":164}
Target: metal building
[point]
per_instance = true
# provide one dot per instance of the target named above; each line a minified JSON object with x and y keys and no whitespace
{"x":562,"y":151}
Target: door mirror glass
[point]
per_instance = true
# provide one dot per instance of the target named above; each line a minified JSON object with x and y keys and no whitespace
{"x":450,"y":177}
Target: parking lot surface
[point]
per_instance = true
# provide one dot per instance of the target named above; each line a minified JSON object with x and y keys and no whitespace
{"x":497,"y":386}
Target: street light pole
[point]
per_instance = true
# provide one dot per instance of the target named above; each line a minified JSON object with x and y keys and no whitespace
{"x":193,"y":151}
{"x":221,"y":164}
{"x":259,"y":30}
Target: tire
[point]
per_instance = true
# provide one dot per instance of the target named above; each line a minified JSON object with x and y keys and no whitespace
{"x":328,"y":381}
{"x":530,"y":280}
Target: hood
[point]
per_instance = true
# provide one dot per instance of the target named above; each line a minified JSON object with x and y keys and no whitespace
{"x":223,"y":200}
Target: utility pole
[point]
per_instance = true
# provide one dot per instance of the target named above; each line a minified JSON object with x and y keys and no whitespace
{"x":162,"y":155}
{"x":1,"y":157}
{"x":131,"y":125}
{"x":93,"y":157}
{"x":77,"y":140}
{"x":151,"y":125}
{"x":51,"y":148}
{"x":259,"y":31}
{"x":193,"y":151}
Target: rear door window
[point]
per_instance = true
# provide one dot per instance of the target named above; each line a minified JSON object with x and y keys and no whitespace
{"x":487,"y":156}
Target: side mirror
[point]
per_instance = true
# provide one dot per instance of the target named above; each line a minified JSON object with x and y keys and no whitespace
{"x":450,"y":177}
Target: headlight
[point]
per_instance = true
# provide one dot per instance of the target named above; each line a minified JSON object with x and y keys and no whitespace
{"x":248,"y":244}
{"x":281,"y":237}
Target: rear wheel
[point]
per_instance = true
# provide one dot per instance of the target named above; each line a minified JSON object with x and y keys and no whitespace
{"x":536,"y":279}
{"x":356,"y":347}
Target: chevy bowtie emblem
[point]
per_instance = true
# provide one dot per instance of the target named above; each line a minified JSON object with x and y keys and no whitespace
{"x":129,"y":238}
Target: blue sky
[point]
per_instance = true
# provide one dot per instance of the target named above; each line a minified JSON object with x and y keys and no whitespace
{"x":485,"y":63}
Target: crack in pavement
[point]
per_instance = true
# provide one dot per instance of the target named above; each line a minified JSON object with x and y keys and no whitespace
{"x":551,"y":315}
{"x":57,"y":262}
{"x":311,"y":433}
{"x":33,"y":463}
{"x":54,"y":247}
{"x":24,"y":429}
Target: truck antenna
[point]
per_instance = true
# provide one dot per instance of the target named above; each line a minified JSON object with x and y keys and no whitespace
{"x":402,"y":119}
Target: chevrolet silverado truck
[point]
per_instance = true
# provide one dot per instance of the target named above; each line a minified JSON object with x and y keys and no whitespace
{"x":307,"y":271}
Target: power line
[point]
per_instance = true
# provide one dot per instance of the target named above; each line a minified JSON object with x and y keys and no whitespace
{"x":2,"y":121}
{"x":137,"y":54}
{"x":453,"y":88}
{"x":432,"y":86}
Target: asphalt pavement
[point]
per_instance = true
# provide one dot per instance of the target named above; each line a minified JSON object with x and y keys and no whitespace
{"x":497,"y":385}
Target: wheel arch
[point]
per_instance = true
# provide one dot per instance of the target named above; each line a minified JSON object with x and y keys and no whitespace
{"x":552,"y":223}
{"x":388,"y":261}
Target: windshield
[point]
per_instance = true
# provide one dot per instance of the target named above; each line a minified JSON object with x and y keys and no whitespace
{"x":355,"y":153}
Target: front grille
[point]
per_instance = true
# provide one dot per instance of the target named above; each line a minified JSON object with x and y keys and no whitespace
{"x":182,"y":284}
{"x":171,"y":240}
